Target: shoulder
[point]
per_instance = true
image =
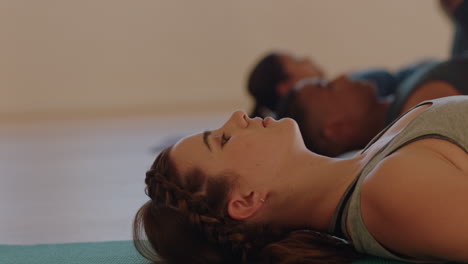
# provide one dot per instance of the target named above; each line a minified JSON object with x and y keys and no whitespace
{"x":411,"y":203}
{"x":429,"y":91}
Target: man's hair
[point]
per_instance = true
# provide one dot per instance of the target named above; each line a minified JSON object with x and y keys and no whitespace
{"x":262,"y":83}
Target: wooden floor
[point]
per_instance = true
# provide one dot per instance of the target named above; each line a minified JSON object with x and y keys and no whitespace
{"x":81,"y":180}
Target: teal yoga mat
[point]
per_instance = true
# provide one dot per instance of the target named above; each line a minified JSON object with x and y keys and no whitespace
{"x":115,"y":252}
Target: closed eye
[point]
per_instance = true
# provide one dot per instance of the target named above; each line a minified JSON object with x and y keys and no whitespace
{"x":224,"y":139}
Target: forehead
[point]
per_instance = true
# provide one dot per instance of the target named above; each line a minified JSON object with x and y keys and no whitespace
{"x":190,"y":152}
{"x":313,"y":98}
{"x":286,"y":58}
{"x":309,"y":89}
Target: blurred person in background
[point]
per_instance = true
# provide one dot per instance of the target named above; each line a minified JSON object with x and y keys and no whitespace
{"x":251,"y":191}
{"x":344,"y":114}
{"x":275,"y":74}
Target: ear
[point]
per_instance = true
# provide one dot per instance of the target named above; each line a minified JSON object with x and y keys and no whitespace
{"x":241,"y":207}
{"x":283,"y":88}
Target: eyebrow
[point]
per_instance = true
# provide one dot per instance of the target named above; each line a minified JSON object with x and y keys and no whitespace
{"x":206,"y":134}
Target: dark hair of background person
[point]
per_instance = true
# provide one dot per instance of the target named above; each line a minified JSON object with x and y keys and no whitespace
{"x":187,"y":222}
{"x":262,"y":83}
{"x":289,"y":107}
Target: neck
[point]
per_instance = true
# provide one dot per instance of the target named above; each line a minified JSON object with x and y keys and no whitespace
{"x":308,"y":197}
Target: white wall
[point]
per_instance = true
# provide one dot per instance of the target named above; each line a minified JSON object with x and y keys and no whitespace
{"x":65,"y":56}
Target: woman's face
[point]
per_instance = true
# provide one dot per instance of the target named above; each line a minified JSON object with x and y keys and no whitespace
{"x":247,"y":147}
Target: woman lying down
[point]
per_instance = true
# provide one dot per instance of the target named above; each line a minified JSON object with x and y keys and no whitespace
{"x":251,"y":191}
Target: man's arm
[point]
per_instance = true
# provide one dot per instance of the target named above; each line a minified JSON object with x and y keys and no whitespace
{"x":457,"y":10}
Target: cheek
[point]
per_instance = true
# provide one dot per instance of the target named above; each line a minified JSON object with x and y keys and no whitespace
{"x":348,"y":100}
{"x":247,"y":153}
{"x":242,"y":149}
{"x":361,"y":100}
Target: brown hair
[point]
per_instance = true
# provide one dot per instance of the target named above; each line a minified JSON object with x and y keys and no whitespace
{"x":186,"y":221}
{"x":262,"y":82}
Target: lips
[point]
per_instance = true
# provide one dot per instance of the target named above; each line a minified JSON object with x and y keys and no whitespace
{"x":266,"y":121}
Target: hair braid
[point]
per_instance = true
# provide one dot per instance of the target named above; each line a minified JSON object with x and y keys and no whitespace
{"x":187,"y":222}
{"x":220,"y":230}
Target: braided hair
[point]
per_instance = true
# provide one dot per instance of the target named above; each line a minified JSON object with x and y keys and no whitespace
{"x":186,"y":221}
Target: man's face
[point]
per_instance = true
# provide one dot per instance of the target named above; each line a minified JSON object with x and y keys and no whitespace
{"x":341,"y":99}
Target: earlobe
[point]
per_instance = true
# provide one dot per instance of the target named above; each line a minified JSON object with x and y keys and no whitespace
{"x":242,"y":207}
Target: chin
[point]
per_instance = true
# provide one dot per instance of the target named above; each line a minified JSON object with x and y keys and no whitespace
{"x":292,"y":127}
{"x":288,"y":123}
{"x":288,"y":120}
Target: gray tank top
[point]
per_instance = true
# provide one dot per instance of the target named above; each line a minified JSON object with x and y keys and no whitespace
{"x":447,"y":119}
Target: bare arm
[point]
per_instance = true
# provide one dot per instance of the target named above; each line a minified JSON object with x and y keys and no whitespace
{"x":416,"y":204}
{"x":428,"y":91}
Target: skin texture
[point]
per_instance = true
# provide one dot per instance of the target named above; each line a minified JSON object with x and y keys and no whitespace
{"x":266,"y":159}
{"x":428,"y":91}
{"x":340,"y":115}
{"x":429,"y":220}
{"x":285,"y":184}
{"x":432,"y":219}
{"x":344,"y":115}
{"x":239,"y":139}
{"x":239,"y":147}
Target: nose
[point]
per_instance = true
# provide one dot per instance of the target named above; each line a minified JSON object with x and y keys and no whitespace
{"x":341,"y":78}
{"x":238,"y":119}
